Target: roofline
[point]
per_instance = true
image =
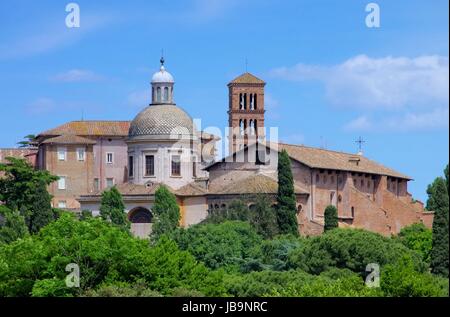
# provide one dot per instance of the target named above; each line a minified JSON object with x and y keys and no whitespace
{"x":310,"y":166}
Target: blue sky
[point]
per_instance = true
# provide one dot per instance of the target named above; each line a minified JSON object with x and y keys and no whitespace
{"x":330,"y":78}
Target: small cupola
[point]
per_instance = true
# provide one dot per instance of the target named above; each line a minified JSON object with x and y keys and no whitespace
{"x":162,"y":86}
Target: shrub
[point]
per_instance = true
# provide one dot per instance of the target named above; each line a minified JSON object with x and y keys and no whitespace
{"x":417,"y":237}
{"x":349,"y":248}
{"x":331,"y":218}
{"x":229,"y":244}
{"x":402,"y":280}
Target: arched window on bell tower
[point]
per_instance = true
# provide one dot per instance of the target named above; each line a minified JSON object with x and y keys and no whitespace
{"x":158,"y":94}
{"x":166,"y":94}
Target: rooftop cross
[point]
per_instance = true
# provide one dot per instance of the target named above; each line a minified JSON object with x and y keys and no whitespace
{"x":360,"y":142}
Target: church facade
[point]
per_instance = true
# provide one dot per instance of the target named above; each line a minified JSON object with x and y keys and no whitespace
{"x":161,"y":145}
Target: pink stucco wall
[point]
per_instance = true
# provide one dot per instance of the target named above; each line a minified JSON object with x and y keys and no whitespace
{"x":118,"y":169}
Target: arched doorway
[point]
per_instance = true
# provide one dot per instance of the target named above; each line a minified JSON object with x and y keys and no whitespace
{"x":141,"y":222}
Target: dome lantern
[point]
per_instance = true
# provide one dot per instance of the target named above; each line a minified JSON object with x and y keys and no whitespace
{"x":162,"y":86}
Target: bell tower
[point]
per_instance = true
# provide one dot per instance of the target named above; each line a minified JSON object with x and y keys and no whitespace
{"x":246,"y":111}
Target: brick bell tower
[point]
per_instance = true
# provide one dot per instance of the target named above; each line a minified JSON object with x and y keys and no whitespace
{"x":246,"y":111}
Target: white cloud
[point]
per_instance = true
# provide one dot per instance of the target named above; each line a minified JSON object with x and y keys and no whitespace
{"x":371,"y":83}
{"x":361,"y":123}
{"x":417,"y":121}
{"x":78,"y":75}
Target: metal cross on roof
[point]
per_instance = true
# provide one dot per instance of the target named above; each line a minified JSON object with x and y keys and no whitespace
{"x":360,"y":142}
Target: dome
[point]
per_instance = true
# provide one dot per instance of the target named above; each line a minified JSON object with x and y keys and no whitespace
{"x":161,"y":120}
{"x":162,"y":76}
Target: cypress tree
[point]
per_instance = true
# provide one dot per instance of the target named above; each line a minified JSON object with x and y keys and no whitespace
{"x":263,"y":217}
{"x":286,"y":202}
{"x":167,"y":212}
{"x":41,"y":212}
{"x":331,"y":218}
{"x":438,"y":201}
{"x":112,"y":208}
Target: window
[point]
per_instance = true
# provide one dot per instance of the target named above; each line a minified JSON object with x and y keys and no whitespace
{"x":130,"y":166}
{"x":166,"y":94}
{"x":81,"y":153}
{"x":158,"y":94}
{"x":62,"y":204}
{"x":109,"y":158}
{"x":317,"y":178}
{"x":109,"y":182}
{"x":96,"y":184}
{"x":362,"y":183}
{"x":62,"y":182}
{"x":194,"y":168}
{"x":353,"y":212}
{"x":149,"y":165}
{"x":176,"y":165}
{"x":62,"y":153}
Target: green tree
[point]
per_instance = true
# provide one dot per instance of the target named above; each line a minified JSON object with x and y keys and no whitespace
{"x":286,"y":207}
{"x":30,"y":141}
{"x":12,"y":225}
{"x":331,"y":218}
{"x":447,"y":177}
{"x":400,"y":279}
{"x":19,"y":183}
{"x":438,"y":201}
{"x":349,"y":249}
{"x":112,"y":208}
{"x":167,"y":212}
{"x":228,"y":245}
{"x":263,"y":217}
{"x":419,"y":238}
{"x":40,"y":213}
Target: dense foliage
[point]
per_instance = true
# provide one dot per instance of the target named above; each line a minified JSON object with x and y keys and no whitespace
{"x":12,"y":225}
{"x":236,"y":252}
{"x":167,"y":212}
{"x":229,"y":245}
{"x":112,"y":208}
{"x":438,"y":201}
{"x":261,"y":215}
{"x":105,"y":254}
{"x":353,"y":249}
{"x":331,"y":218}
{"x":24,"y":190}
{"x":286,"y":202}
{"x":417,"y":237}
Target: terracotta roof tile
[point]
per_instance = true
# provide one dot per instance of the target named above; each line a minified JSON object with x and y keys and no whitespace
{"x":326,"y":159}
{"x":69,"y":139}
{"x":247,"y":78}
{"x":91,"y":128}
{"x":191,"y":189}
{"x":254,"y":184}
